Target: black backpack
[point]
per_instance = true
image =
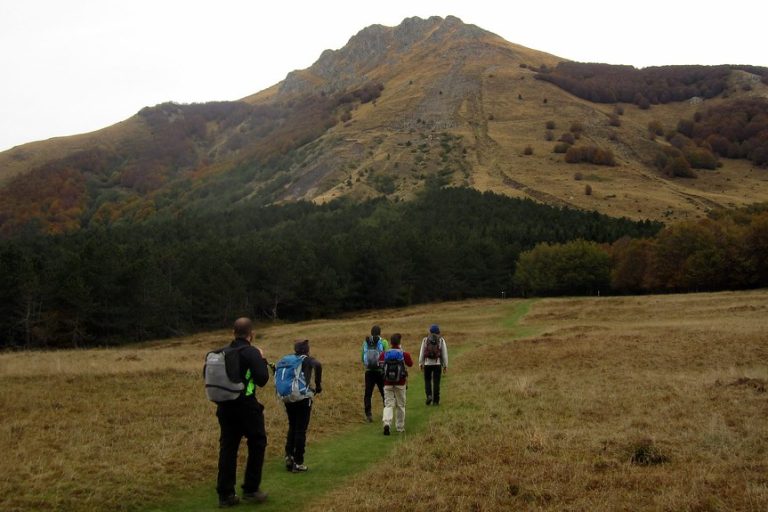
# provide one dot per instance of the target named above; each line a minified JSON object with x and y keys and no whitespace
{"x":394,"y":366}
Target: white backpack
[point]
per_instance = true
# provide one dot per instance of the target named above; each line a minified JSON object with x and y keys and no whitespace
{"x":222,"y":374}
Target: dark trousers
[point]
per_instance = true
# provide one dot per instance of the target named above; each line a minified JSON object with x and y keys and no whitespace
{"x":298,"y":422}
{"x":238,"y":420}
{"x":372,"y":378}
{"x":432,"y":374}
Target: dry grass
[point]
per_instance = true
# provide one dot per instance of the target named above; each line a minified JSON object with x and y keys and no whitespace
{"x":637,"y":403}
{"x":649,"y":403}
{"x":118,"y":428}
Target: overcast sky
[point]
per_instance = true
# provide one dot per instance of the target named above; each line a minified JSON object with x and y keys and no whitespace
{"x":73,"y":66}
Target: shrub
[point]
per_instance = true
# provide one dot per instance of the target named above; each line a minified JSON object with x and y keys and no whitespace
{"x":577,"y":127}
{"x":678,"y":167}
{"x":568,"y":138}
{"x":528,"y":150}
{"x":588,"y":189}
{"x":685,"y":126}
{"x":578,"y":176}
{"x":590,"y":154}
{"x":550,"y":125}
{"x":618,"y":110}
{"x":549,"y":135}
{"x":655,"y":128}
{"x":561,"y":147}
{"x":614,"y":120}
{"x":700,"y":157}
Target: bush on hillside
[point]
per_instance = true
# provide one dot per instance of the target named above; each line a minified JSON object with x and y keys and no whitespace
{"x":590,"y":154}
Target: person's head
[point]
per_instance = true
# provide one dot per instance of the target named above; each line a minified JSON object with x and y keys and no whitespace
{"x":243,"y":328}
{"x":394,"y":340}
{"x":375,"y":330}
{"x":434,"y":329}
{"x":301,"y":347}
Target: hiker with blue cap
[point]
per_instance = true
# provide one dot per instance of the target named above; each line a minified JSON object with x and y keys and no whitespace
{"x":433,"y":361}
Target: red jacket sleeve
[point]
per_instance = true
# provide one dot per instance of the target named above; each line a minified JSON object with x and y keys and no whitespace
{"x":407,"y":358}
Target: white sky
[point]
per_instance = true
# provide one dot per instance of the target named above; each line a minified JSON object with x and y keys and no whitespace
{"x":73,"y":66}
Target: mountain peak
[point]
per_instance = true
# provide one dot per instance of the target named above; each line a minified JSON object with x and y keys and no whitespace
{"x":373,"y":46}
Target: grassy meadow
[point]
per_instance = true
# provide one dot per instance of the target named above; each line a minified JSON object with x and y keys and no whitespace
{"x":613,"y":403}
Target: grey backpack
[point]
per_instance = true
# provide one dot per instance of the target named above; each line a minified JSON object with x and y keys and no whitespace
{"x":222,"y":374}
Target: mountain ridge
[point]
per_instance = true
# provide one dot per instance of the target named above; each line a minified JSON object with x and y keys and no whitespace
{"x":428,"y":101}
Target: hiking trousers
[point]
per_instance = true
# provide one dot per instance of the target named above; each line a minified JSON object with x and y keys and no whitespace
{"x":373,"y":378}
{"x":394,"y":404}
{"x":238,"y":420}
{"x":298,"y":422}
{"x":432,"y":374}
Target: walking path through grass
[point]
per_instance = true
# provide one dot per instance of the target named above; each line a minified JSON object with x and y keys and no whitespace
{"x":332,"y":461}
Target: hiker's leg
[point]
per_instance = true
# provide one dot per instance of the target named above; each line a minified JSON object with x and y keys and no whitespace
{"x":257,"y":444}
{"x":428,"y":380}
{"x":400,"y":404}
{"x":229,"y":442}
{"x":290,"y":436}
{"x":370,"y":382}
{"x":436,"y":387}
{"x":389,"y":405}
{"x":380,"y":383}
{"x":303,"y":411}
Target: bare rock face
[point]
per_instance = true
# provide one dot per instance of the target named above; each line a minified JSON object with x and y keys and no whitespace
{"x":371,"y":47}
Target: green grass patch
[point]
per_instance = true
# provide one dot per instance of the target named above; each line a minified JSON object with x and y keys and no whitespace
{"x":330,"y":462}
{"x":515,"y":312}
{"x":333,"y":461}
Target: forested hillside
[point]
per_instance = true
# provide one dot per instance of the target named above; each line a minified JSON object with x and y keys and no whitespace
{"x":170,"y":276}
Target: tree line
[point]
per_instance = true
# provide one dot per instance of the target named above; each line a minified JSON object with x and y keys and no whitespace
{"x":608,"y":83}
{"x":727,"y":251}
{"x":173,"y":275}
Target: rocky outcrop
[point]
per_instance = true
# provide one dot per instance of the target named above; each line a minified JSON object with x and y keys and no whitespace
{"x":349,"y":66}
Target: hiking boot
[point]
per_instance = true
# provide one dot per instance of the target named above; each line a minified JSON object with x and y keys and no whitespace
{"x":386,"y":430}
{"x":429,"y":400}
{"x":299,"y":468}
{"x":288,"y":462}
{"x":255,"y":497}
{"x":229,"y":501}
{"x":368,"y":418}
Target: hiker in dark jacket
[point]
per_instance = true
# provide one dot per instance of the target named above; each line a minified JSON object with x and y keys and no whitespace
{"x":243,"y":417}
{"x":374,"y":344}
{"x":299,"y":412}
{"x":394,"y":390}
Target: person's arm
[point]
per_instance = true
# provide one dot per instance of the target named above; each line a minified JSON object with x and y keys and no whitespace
{"x":384,"y":344}
{"x":444,"y":354}
{"x":407,"y":358}
{"x":362,"y":358}
{"x":318,"y":376}
{"x":421,"y":354}
{"x":258,"y":366}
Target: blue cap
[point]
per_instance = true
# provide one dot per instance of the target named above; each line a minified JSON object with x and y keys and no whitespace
{"x":434,"y":329}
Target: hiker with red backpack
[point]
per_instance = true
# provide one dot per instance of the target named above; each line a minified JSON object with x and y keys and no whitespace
{"x":433,"y":360}
{"x":231,"y":375}
{"x":394,"y":362}
{"x":293,"y":373}
{"x":373,"y":346}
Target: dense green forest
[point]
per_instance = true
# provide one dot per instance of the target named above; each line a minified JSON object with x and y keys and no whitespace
{"x":727,"y":251}
{"x":169,"y":276}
